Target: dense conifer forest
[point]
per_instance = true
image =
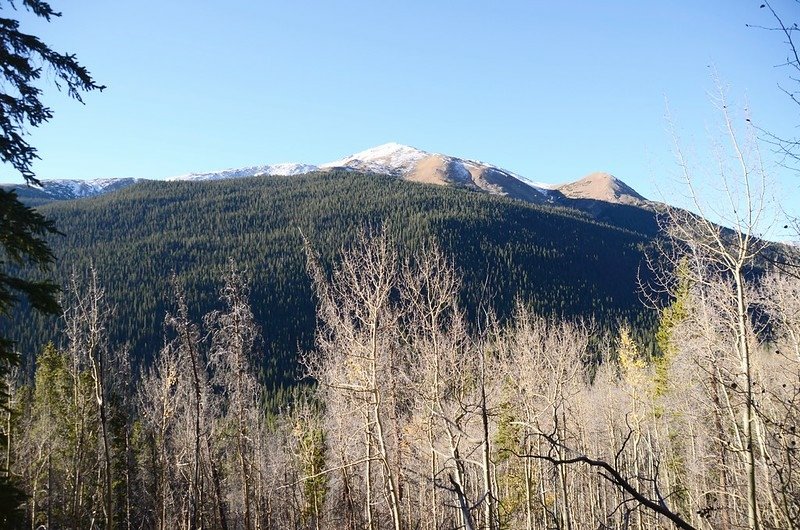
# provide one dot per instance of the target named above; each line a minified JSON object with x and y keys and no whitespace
{"x":556,"y":260}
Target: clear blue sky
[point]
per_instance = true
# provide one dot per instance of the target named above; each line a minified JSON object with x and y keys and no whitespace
{"x":552,"y":90}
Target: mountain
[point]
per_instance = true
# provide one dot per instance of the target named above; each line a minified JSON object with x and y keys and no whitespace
{"x":67,"y":189}
{"x":397,"y":160}
{"x":602,"y":187}
{"x":554,"y":259}
{"x":416,"y":165}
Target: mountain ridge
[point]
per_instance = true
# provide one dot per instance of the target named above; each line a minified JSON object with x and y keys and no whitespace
{"x":397,"y":160}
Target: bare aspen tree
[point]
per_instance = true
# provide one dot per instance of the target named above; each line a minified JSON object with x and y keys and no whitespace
{"x":202,"y":414}
{"x":444,"y":376}
{"x":356,"y":341}
{"x":545,"y":369}
{"x":429,"y":292}
{"x":158,"y":406}
{"x":778,"y":406}
{"x":725,"y":254}
{"x":487,"y":383}
{"x":780,"y":298}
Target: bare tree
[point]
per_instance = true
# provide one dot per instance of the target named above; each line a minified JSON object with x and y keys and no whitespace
{"x":158,"y":406}
{"x":720,"y":255}
{"x":234,"y":338}
{"x":789,"y":31}
{"x":194,"y":396}
{"x":611,"y":473}
{"x":545,"y":370}
{"x":86,"y":320}
{"x":449,"y":378}
{"x":357,"y":340}
{"x":778,"y":406}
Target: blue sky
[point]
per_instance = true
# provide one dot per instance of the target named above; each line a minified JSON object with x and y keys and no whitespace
{"x":552,"y":90}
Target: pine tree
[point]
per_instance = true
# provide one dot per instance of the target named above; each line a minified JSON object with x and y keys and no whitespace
{"x":23,"y":58}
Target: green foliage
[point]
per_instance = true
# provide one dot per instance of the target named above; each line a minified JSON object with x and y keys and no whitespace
{"x":11,"y":499}
{"x":57,"y":441}
{"x":23,"y":243}
{"x":628,"y":354}
{"x":507,"y":440}
{"x":671,"y":316}
{"x":310,"y":440}
{"x":52,"y":386}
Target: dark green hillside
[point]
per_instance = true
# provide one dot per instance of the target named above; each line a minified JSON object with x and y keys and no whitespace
{"x":556,"y":259}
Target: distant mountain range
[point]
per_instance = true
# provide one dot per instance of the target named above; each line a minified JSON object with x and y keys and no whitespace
{"x":393,"y":159}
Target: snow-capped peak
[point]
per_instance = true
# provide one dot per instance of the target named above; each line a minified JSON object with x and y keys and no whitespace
{"x":391,"y":158}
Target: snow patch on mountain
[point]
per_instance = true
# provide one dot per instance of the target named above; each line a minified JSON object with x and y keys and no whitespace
{"x":545,"y":186}
{"x":285,"y":169}
{"x":76,"y":189}
{"x":391,"y":158}
{"x":461,"y":173}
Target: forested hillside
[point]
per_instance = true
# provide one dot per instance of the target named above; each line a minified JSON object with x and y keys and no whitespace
{"x":418,"y":419}
{"x":558,"y":261}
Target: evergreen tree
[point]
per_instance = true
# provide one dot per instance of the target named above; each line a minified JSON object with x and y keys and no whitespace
{"x":22,"y":60}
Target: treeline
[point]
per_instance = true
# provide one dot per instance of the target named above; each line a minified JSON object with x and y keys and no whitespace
{"x":419,"y":418}
{"x":559,"y":261}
